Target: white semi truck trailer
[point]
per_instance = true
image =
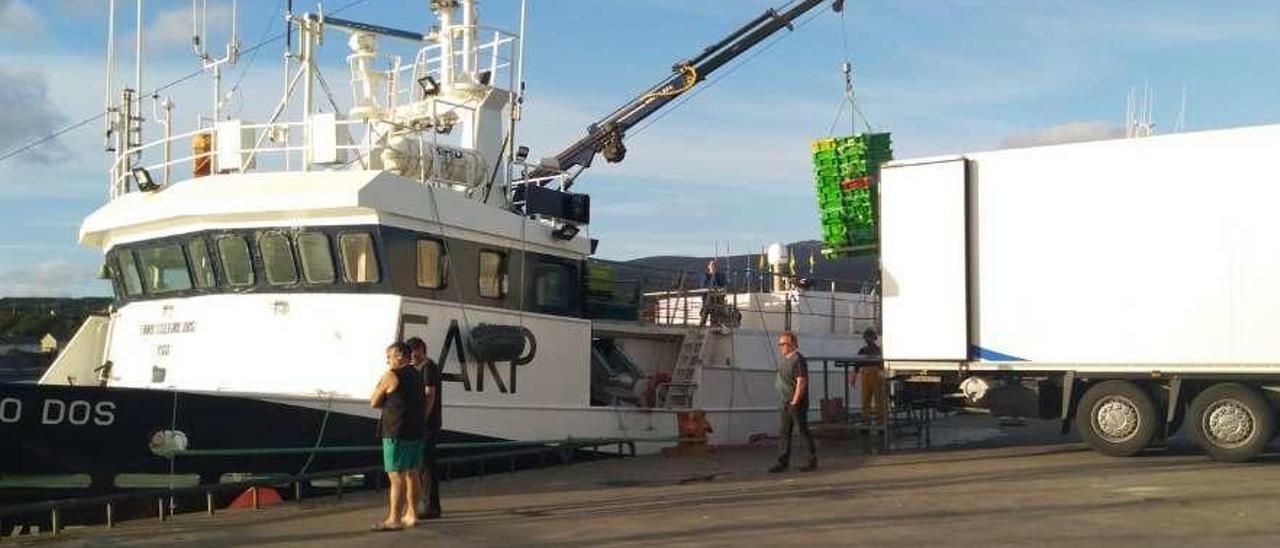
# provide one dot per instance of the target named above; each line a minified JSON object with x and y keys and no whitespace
{"x":1132,"y":286}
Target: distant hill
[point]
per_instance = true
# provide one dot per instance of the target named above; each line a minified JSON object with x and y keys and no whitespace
{"x":33,"y":317}
{"x":663,"y":271}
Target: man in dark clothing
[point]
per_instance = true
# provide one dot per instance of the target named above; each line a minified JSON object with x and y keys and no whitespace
{"x":871,"y":375}
{"x":792,"y":382}
{"x":399,"y":395}
{"x":429,"y":480}
{"x":713,"y":302}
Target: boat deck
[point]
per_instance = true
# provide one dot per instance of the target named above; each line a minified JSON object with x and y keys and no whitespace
{"x":1044,"y":494}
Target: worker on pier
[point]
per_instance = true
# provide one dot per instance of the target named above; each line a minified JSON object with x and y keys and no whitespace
{"x":792,"y":382}
{"x":429,"y":479}
{"x":874,"y":402}
{"x":400,"y":394}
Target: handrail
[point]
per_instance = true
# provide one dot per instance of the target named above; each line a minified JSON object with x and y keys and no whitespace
{"x":566,"y":446}
{"x":571,"y":441}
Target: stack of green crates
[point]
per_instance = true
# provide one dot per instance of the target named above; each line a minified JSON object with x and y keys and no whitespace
{"x":846,"y":170}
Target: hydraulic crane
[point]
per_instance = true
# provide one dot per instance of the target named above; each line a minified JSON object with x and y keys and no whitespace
{"x":606,"y":135}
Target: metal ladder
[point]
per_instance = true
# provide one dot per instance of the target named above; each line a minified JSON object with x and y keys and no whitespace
{"x":684,"y":377}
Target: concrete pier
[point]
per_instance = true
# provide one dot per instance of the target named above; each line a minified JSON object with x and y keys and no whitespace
{"x":1042,"y":495}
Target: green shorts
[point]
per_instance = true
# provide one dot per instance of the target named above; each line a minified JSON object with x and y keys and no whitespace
{"x":399,"y":455}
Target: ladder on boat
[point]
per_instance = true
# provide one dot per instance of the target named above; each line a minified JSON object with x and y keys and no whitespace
{"x":689,"y":360}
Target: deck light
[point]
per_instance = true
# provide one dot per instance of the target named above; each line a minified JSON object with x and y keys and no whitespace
{"x":566,"y":232}
{"x":142,"y":178}
{"x":430,"y":87}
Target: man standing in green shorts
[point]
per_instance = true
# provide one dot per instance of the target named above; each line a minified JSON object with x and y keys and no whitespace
{"x":400,"y":395}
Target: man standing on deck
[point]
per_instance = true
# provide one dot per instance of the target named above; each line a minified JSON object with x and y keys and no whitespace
{"x":792,"y":382}
{"x":430,"y":476}
{"x":713,"y":302}
{"x":400,"y":393}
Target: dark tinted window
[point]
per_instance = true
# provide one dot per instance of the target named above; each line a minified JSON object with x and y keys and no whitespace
{"x":129,"y":273}
{"x":359,"y":262}
{"x":164,"y":269}
{"x":317,"y":259}
{"x":493,"y":274}
{"x":554,"y":286}
{"x":433,"y":268}
{"x":277,"y":258}
{"x":236,"y":262}
{"x":201,"y":263}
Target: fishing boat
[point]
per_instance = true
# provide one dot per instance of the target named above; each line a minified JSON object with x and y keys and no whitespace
{"x":260,"y":269}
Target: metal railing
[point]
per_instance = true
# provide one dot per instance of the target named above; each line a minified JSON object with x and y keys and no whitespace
{"x":746,"y":298}
{"x":399,"y":92}
{"x":564,"y":451}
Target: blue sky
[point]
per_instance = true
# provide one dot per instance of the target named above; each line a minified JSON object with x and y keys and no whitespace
{"x":729,"y":167}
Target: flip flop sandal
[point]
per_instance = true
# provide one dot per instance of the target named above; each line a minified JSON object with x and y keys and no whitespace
{"x":382,"y":526}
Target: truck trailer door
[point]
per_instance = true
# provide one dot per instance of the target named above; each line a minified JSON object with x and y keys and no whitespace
{"x":923,"y":261}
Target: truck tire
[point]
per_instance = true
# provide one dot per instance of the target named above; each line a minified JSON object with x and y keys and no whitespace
{"x":1117,"y":418}
{"x":1232,"y":422}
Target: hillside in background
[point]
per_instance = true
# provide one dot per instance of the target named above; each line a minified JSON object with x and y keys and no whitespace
{"x":33,"y":317}
{"x":662,"y":271}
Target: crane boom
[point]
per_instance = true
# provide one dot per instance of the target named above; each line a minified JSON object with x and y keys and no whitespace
{"x":606,"y":135}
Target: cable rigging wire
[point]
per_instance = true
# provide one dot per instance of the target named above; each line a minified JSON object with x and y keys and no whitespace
{"x":675,"y":105}
{"x":848,"y":99}
{"x":77,"y":125}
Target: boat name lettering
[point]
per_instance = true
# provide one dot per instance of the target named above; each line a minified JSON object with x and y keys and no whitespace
{"x":453,"y":341}
{"x":168,"y":328}
{"x":10,"y":410}
{"x":78,"y":412}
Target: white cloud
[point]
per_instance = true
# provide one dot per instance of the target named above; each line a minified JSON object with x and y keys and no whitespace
{"x":17,"y":18}
{"x":82,"y":8}
{"x":1071,"y":132}
{"x":28,"y":113}
{"x":172,"y":27}
{"x":48,"y":279}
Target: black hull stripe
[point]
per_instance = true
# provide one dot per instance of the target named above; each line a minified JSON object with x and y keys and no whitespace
{"x":107,"y":431}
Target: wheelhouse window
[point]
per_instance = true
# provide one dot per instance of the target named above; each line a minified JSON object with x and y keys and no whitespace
{"x":129,"y":272}
{"x":554,"y":286}
{"x":164,"y":269}
{"x":433,"y":266}
{"x":236,"y":262}
{"x":317,"y":258}
{"x":277,"y":258}
{"x":493,"y":274}
{"x":201,"y":263}
{"x":359,"y":262}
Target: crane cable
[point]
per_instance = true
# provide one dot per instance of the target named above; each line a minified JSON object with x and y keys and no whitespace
{"x":848,"y":99}
{"x":723,"y":75}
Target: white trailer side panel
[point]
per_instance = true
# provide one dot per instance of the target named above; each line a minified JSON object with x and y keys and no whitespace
{"x":922,"y":261}
{"x":1140,"y":251}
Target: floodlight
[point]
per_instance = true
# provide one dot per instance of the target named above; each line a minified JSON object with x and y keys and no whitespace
{"x":566,"y":232}
{"x":142,"y":178}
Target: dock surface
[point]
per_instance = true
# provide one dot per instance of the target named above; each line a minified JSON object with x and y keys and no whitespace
{"x":1033,"y":495}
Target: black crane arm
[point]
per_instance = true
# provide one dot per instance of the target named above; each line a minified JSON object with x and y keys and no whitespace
{"x":606,"y":135}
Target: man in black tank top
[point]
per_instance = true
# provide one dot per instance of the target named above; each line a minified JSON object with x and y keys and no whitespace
{"x":400,"y":395}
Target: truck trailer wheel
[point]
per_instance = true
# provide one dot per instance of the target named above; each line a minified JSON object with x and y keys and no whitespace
{"x":1231,"y":421}
{"x":1117,"y":418}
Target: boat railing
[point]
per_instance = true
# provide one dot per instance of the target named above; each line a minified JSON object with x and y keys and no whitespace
{"x":429,"y":62}
{"x":388,"y":97}
{"x":271,"y":146}
{"x":475,"y":458}
{"x":745,"y":299}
